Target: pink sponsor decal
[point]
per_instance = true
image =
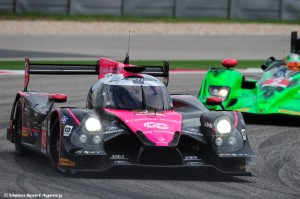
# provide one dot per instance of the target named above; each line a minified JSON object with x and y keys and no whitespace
{"x":35,"y":130}
{"x":107,"y":66}
{"x":60,"y":137}
{"x":26,"y":74}
{"x":236,"y":119}
{"x":157,"y":127}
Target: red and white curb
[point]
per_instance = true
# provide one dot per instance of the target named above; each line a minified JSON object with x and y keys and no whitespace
{"x":11,"y":72}
{"x":176,"y":71}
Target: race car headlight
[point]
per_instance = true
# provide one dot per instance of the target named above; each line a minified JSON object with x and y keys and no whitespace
{"x":219,"y":141}
{"x":232,"y":141}
{"x":223,"y":126}
{"x":219,"y":91}
{"x":92,"y":124}
{"x":96,"y":139}
{"x":82,"y":139}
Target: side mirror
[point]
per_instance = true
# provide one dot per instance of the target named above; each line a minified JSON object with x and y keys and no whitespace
{"x":268,"y":62}
{"x":215,"y":101}
{"x":229,"y":63}
{"x":263,"y":67}
{"x":57,"y":97}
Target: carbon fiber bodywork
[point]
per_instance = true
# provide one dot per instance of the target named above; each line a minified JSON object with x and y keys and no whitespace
{"x":183,"y":134}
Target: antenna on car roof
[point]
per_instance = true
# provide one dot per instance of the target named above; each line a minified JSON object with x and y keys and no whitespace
{"x":126,"y":60}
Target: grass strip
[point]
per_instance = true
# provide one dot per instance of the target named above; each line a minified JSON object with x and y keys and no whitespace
{"x":86,"y":18}
{"x":174,"y":64}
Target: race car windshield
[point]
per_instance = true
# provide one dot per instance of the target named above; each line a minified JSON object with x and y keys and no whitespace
{"x":131,"y":97}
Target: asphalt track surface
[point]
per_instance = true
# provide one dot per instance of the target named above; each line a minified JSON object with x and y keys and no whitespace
{"x":275,"y":175}
{"x":143,"y":47}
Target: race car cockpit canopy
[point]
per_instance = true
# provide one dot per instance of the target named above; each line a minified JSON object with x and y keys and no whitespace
{"x":136,"y":94}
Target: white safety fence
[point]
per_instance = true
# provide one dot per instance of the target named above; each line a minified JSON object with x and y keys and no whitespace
{"x":228,"y":9}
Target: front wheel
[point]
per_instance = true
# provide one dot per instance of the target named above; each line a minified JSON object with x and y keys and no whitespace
{"x":17,"y":130}
{"x":55,"y":144}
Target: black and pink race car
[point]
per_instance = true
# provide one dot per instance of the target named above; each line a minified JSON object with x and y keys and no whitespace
{"x":130,"y":119}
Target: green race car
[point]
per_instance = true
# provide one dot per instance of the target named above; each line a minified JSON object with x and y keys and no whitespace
{"x":275,"y":91}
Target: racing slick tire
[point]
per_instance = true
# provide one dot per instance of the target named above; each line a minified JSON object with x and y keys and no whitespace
{"x":17,"y":130}
{"x":54,"y":144}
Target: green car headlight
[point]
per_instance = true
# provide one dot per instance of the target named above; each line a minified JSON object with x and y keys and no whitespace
{"x":219,"y":91}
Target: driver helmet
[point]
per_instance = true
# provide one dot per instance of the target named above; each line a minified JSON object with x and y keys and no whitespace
{"x":293,"y":61}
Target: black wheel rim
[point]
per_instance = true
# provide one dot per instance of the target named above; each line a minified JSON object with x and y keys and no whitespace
{"x":54,"y":144}
{"x":18,"y":126}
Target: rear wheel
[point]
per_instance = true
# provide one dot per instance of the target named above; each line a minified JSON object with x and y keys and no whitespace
{"x":17,"y":130}
{"x":55,"y":144}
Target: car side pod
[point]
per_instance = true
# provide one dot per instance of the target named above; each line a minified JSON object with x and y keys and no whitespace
{"x":215,"y":101}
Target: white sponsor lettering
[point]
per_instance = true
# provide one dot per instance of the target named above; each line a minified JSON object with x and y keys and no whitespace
{"x":233,"y":154}
{"x":192,"y":129}
{"x":118,"y":157}
{"x":169,"y":120}
{"x":208,"y":125}
{"x":89,"y":152}
{"x":192,"y":133}
{"x":154,"y":119}
{"x":64,"y":119}
{"x":111,"y":128}
{"x":195,"y":163}
{"x":114,"y":131}
{"x":140,"y":120}
{"x":191,"y":158}
{"x":121,"y":162}
{"x":67,"y":130}
{"x":156,"y":125}
{"x":243,"y":131}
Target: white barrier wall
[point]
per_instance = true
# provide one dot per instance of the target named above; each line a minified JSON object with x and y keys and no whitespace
{"x":202,"y":8}
{"x":94,"y":7}
{"x":147,"y":8}
{"x":42,"y":6}
{"x":234,"y":9}
{"x":255,"y":9}
{"x":290,"y":9}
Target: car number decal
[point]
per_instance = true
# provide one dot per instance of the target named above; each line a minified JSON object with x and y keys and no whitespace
{"x":67,"y":130}
{"x":277,"y":82}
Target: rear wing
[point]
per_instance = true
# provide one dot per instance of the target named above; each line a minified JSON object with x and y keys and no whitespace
{"x":100,"y":68}
{"x":57,"y":69}
{"x":295,"y":43}
{"x":158,"y":71}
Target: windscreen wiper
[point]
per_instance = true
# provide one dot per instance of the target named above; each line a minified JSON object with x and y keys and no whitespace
{"x":143,"y":99}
